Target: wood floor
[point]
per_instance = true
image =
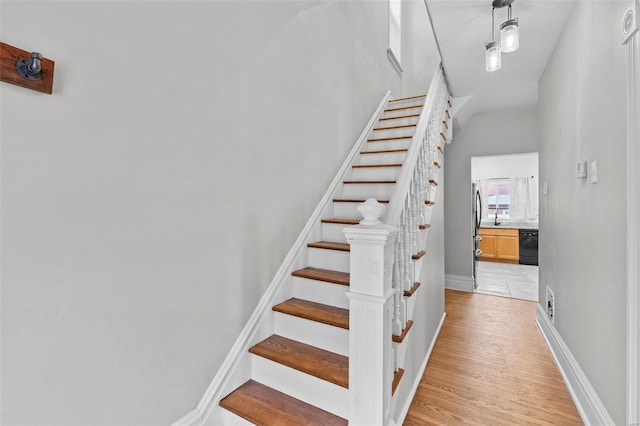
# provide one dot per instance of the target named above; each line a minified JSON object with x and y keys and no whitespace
{"x":491,"y":366}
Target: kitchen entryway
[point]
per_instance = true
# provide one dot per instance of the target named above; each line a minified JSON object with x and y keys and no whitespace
{"x":507,"y":280}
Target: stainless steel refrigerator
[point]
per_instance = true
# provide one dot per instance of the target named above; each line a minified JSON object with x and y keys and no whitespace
{"x":476,"y":218}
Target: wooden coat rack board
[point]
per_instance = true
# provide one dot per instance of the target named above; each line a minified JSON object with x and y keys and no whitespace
{"x":10,"y":55}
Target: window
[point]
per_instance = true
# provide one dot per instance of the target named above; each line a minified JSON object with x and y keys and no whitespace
{"x":498,"y":198}
{"x":394,"y":52}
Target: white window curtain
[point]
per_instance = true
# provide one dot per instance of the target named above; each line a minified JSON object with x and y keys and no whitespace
{"x":524,"y":198}
{"x":523,"y":194}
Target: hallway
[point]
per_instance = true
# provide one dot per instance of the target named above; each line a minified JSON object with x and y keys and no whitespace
{"x":490,"y":365}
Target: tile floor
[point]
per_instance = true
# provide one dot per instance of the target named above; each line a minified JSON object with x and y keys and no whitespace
{"x":507,"y":280}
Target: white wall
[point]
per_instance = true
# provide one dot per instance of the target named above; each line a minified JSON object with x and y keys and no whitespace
{"x":147,"y":204}
{"x":509,"y":132}
{"x":583,"y":225}
{"x":420,"y":52}
{"x":504,"y":166}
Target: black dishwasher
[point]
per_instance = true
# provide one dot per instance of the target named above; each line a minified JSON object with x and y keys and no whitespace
{"x":528,"y":247}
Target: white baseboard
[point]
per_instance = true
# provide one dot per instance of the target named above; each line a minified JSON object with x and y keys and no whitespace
{"x":192,"y":418}
{"x":459,"y":282}
{"x":584,"y":396}
{"x":416,"y":382}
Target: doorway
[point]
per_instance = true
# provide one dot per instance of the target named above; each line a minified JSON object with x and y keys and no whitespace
{"x":506,"y":264}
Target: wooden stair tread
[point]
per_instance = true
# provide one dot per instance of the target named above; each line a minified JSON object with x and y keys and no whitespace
{"x":409,"y":293}
{"x":429,"y":202}
{"x":385,"y":151}
{"x":330,"y":245}
{"x":341,"y":221}
{"x":368,"y":166}
{"x":425,"y":226}
{"x":439,"y":148}
{"x":350,"y":182}
{"x":345,"y":200}
{"x":407,"y":107}
{"x":392,"y":138}
{"x":399,"y":117}
{"x":314,"y":361}
{"x":406,"y":99}
{"x":435,"y":163}
{"x":433,"y":182}
{"x":403,"y":126}
{"x":325,"y":314}
{"x":397,"y":376}
{"x":418,"y":255}
{"x":327,"y":275}
{"x":403,"y":334}
{"x":264,"y":406}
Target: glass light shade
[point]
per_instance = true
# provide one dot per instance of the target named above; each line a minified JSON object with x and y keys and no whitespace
{"x":493,"y":59}
{"x":510,"y":36}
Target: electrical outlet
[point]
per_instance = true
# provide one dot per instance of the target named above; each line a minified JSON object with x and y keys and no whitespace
{"x":551,"y":304}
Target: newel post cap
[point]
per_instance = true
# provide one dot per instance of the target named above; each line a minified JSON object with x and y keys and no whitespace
{"x":371,"y":210}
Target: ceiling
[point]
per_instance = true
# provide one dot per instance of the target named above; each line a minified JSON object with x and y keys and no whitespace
{"x":463,"y":26}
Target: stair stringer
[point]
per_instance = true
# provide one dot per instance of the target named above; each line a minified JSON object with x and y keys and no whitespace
{"x":236,"y":368}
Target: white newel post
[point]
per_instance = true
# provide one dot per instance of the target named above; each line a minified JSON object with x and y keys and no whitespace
{"x":370,"y":317}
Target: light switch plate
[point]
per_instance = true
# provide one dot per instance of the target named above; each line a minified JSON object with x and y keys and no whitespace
{"x":581,"y":170}
{"x":594,"y":171}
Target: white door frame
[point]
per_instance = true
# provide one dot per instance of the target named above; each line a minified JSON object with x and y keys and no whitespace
{"x":631,"y":37}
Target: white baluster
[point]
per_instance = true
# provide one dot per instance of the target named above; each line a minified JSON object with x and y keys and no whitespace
{"x":408,"y":262}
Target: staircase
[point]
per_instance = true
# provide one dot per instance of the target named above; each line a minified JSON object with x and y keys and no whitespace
{"x":300,"y":373}
{"x":290,"y":366}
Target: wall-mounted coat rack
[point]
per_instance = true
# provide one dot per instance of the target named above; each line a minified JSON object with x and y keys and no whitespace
{"x":26,"y":69}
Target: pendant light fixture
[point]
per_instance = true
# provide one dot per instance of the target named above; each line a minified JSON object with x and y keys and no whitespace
{"x":509,"y":34}
{"x":509,"y":37}
{"x":493,"y":56}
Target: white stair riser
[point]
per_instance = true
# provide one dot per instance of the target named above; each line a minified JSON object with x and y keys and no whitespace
{"x":383,"y":158}
{"x":323,"y":336}
{"x":411,"y":304}
{"x":391,"y":133}
{"x":346,"y":210}
{"x":401,"y":349}
{"x":400,"y":121}
{"x":384,"y":145}
{"x":375,"y":173}
{"x":400,"y":112}
{"x":407,"y":102}
{"x":379,"y":191}
{"x":321,"y":292}
{"x":335,"y":260}
{"x":230,"y":419}
{"x":333,"y":232}
{"x":324,"y":395}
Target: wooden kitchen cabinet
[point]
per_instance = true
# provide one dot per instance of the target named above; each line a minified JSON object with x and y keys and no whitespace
{"x":499,"y":244}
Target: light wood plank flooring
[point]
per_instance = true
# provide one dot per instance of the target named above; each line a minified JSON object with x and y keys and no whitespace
{"x":491,"y":366}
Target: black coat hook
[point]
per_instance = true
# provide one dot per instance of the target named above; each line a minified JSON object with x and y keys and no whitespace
{"x":31,"y":69}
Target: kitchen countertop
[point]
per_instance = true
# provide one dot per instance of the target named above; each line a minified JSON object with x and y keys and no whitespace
{"x":505,"y":224}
